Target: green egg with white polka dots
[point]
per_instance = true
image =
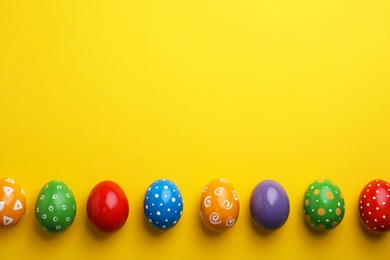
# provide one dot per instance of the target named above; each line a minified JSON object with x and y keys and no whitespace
{"x":323,"y":205}
{"x":55,"y":207}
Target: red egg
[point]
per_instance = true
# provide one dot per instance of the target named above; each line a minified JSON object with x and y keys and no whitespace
{"x":374,"y":206}
{"x":107,"y":206}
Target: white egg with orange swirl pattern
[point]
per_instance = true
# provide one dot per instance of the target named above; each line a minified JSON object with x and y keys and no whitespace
{"x":219,"y":205}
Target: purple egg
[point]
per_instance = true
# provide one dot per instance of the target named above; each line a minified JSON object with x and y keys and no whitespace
{"x":269,"y":205}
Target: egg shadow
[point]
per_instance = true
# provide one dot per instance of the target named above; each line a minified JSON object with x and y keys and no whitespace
{"x":10,"y":231}
{"x":319,"y":234}
{"x":47,"y":235}
{"x":208,"y":232}
{"x":151,"y":230}
{"x":260,"y":230}
{"x":96,"y":233}
{"x":367,"y":233}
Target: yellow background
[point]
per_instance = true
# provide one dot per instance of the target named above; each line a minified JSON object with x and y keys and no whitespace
{"x":133,"y":91}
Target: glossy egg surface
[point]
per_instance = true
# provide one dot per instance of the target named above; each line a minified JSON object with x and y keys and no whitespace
{"x":323,"y":205}
{"x":269,"y":205}
{"x":163,"y":204}
{"x":219,"y":205}
{"x":374,"y":206}
{"x":55,"y":207}
{"x":12,"y":203}
{"x":107,"y":206}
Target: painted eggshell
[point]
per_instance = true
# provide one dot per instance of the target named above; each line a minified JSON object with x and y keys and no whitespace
{"x":55,"y":207}
{"x":374,"y":206}
{"x":107,"y":206}
{"x":323,"y":205}
{"x":163,"y":204}
{"x":219,"y":205}
{"x":269,"y":205}
{"x":12,"y":203}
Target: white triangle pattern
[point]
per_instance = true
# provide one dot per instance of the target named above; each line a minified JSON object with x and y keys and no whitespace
{"x":7,"y":220}
{"x":2,"y":204}
{"x":10,"y":180}
{"x":8,"y":190}
{"x":18,"y":205}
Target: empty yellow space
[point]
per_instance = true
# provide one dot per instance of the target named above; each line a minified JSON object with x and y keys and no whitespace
{"x":133,"y":91}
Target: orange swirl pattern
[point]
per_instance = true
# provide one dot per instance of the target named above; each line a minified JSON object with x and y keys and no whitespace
{"x":219,"y":205}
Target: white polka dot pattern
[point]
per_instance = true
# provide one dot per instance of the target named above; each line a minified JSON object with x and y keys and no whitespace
{"x":163,"y":204}
{"x":323,"y":205}
{"x":374,"y":206}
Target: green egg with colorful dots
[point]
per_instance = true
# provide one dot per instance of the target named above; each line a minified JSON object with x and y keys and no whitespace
{"x":55,"y":207}
{"x":323,"y":205}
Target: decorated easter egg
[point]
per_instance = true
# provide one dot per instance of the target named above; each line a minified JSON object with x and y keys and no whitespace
{"x":323,"y":205}
{"x":55,"y":206}
{"x":269,"y":205}
{"x":12,"y":203}
{"x":374,"y":206}
{"x":163,"y":204}
{"x":219,"y":205}
{"x":107,"y":206}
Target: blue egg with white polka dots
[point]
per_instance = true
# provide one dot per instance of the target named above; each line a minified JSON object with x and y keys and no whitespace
{"x":163,"y":205}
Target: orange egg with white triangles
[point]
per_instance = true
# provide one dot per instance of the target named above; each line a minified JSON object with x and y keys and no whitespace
{"x":12,"y":203}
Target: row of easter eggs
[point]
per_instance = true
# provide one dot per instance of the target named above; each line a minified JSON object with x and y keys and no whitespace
{"x":108,"y":208}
